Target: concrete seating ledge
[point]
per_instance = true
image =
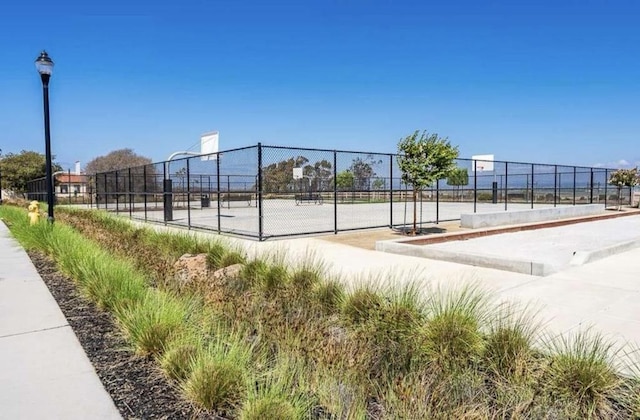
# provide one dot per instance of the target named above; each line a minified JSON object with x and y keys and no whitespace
{"x":502,"y":218}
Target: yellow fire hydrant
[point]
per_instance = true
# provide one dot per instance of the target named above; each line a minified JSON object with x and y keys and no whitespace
{"x":34,"y":212}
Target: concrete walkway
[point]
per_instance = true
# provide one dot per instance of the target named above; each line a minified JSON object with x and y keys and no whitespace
{"x":44,"y":372}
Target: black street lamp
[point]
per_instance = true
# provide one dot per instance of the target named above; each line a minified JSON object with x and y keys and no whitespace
{"x":45,"y":67}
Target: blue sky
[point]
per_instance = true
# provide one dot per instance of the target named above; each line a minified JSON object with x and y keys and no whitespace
{"x":541,"y":81}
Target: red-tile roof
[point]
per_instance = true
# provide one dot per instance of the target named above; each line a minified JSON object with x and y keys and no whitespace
{"x":73,"y":179}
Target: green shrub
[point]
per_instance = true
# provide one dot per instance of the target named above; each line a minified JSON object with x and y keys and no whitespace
{"x":220,"y":377}
{"x":581,"y":375}
{"x":214,"y":256}
{"x":269,"y":408}
{"x":254,"y":271}
{"x":328,"y":295}
{"x":509,"y":343}
{"x":231,"y":258}
{"x":360,"y":305}
{"x":180,"y":356}
{"x":155,"y":321}
{"x":452,"y":336}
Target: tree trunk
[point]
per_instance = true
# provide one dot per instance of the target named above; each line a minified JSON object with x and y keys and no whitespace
{"x":619,"y":198}
{"x":415,"y":211}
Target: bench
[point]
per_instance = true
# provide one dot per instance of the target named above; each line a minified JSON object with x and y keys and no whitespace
{"x":236,"y":197}
{"x":301,"y":198}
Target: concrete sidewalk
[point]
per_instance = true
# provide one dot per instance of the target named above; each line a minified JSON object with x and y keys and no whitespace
{"x":44,"y":372}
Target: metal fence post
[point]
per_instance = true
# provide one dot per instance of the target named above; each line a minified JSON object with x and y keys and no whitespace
{"x":437,"y":202}
{"x":391,"y":191}
{"x":117,"y":194}
{"x":555,"y":185}
{"x":533,"y":196}
{"x":260,"y":225}
{"x":335,"y":192}
{"x":591,"y":189}
{"x":144,"y":190}
{"x":106,"y":194}
{"x":167,"y":188}
{"x":131,"y":198}
{"x":189,"y":196}
{"x":606,"y":184}
{"x":506,"y":185}
{"x":574,"y":185}
{"x":217,"y":187}
{"x":475,"y":184}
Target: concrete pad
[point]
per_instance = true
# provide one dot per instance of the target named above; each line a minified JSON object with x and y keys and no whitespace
{"x":585,"y":257}
{"x":524,"y":266}
{"x":46,"y":375}
{"x":538,"y":252}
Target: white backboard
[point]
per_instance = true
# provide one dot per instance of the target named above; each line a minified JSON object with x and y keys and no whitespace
{"x":209,"y":144}
{"x":484,"y":163}
{"x":297,"y":173}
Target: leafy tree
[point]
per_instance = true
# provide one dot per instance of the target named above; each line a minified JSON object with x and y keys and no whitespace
{"x":344,"y":180}
{"x":319,"y":174}
{"x":458,"y":178}
{"x":117,"y":159}
{"x":278,"y":177}
{"x":378,"y":184}
{"x":102,"y":172}
{"x":362,"y":170}
{"x":424,"y":159}
{"x":624,"y":178}
{"x":18,"y":169}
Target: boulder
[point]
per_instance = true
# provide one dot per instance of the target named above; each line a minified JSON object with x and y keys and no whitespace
{"x":191,"y":270}
{"x":230,"y":272}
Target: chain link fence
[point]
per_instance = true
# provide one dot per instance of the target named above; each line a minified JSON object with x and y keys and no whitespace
{"x":268,"y":192}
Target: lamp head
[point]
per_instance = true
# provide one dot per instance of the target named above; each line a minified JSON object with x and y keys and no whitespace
{"x":44,"y":64}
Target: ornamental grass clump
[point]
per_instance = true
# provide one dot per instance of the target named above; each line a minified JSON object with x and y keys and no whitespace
{"x":278,"y":393}
{"x":328,"y":296}
{"x":220,"y":376}
{"x":509,"y":344}
{"x":361,"y":305}
{"x":157,"y":319}
{"x":453,"y":337}
{"x":180,"y":355}
{"x":581,"y":376}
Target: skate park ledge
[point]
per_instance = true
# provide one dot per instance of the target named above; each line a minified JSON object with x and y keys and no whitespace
{"x":516,"y":217}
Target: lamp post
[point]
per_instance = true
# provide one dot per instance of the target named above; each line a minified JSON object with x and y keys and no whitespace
{"x":44,"y":65}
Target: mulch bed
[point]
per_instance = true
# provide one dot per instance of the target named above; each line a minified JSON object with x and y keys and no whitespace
{"x":136,"y":384}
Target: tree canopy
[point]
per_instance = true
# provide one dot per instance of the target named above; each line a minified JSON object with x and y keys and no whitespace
{"x":344,"y":180}
{"x":18,"y":169}
{"x":624,"y":178}
{"x":363,"y":170}
{"x":424,"y":159}
{"x":278,"y":177}
{"x":117,"y":159}
{"x":458,"y":177}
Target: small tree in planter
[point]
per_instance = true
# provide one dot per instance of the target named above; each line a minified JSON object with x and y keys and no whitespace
{"x":424,"y":159}
{"x":458,"y":177}
{"x":624,"y":178}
